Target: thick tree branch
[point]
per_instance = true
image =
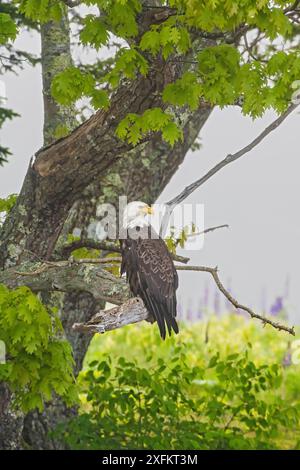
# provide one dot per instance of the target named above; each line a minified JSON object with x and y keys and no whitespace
{"x":68,"y":277}
{"x":88,"y":276}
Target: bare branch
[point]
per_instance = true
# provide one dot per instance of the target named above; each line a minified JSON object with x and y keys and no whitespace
{"x":133,"y":310}
{"x":207,"y":230}
{"x":249,"y":49}
{"x":226,"y":161}
{"x":231,"y":158}
{"x":233,"y":301}
{"x":292,"y":7}
{"x":212,"y":229}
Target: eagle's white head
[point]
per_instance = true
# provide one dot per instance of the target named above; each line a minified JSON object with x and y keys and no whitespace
{"x":135,"y":214}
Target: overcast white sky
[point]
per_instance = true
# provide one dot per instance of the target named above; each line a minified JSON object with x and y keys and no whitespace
{"x":257,"y":196}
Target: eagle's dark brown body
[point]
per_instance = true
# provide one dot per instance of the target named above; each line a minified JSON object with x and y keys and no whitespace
{"x":152,"y":276}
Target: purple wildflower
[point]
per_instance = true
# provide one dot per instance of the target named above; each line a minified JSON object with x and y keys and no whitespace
{"x":277,"y":306}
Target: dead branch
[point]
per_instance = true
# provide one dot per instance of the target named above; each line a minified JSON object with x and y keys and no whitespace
{"x":132,"y":311}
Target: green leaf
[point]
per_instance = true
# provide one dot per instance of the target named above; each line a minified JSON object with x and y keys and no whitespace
{"x":8,"y":28}
{"x":100,"y":99}
{"x":185,"y":91}
{"x":71,"y":85}
{"x":94,"y":32}
{"x":42,"y":10}
{"x":150,"y":41}
{"x":171,"y":133}
{"x":38,"y":359}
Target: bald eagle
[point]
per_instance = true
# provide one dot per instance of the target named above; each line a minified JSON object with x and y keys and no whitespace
{"x":149,"y":267}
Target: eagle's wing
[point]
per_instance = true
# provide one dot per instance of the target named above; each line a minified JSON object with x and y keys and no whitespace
{"x":152,"y":275}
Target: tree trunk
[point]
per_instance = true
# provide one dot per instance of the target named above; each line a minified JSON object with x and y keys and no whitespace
{"x":56,"y":56}
{"x":77,"y":172}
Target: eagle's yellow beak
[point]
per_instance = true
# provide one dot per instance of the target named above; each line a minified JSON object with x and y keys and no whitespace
{"x":147,"y":210}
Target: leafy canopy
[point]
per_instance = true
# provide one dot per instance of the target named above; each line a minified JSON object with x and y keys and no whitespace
{"x":206,"y":39}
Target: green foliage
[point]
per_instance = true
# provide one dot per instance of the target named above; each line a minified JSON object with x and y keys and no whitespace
{"x":133,"y":126}
{"x":61,"y":130}
{"x":219,"y":75}
{"x":128,"y":63}
{"x":94,"y":32}
{"x":7,"y":204}
{"x":72,"y":84}
{"x":210,"y":15}
{"x":175,"y":239}
{"x":185,"y":91}
{"x":8,"y":28}
{"x":218,"y":68}
{"x":187,"y":394}
{"x":6,"y":114}
{"x":39,"y":362}
{"x":167,"y":39}
{"x":120,"y":15}
{"x":42,"y":10}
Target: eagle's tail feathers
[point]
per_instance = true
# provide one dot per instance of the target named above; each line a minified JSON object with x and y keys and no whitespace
{"x":155,"y":310}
